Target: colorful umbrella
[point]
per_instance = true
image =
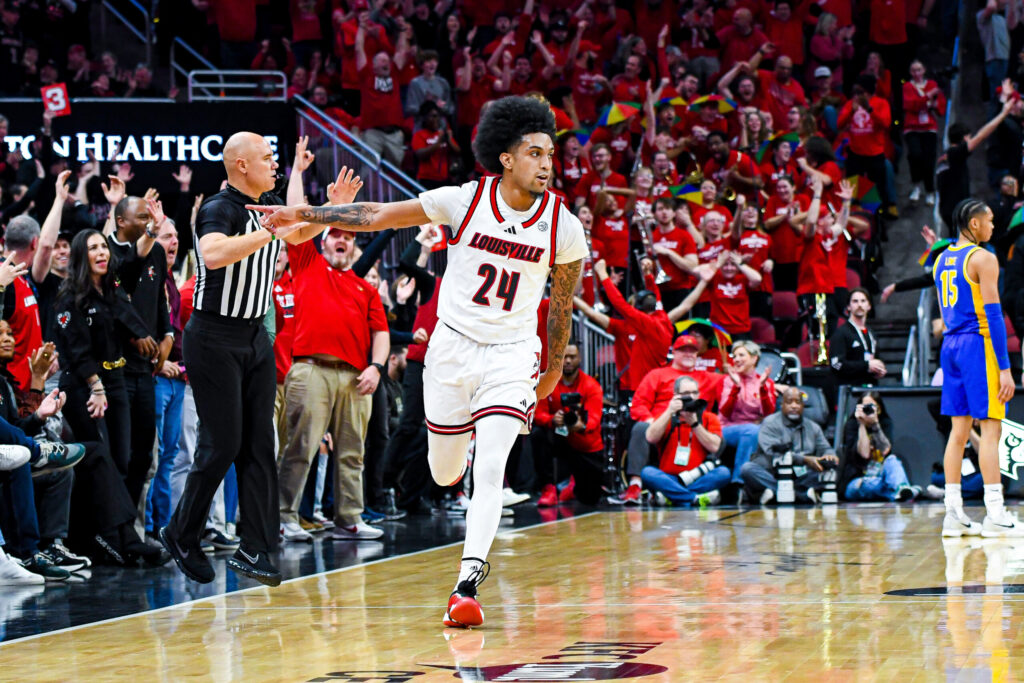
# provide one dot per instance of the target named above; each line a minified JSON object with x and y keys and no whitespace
{"x":690,"y":193}
{"x":722,"y":340}
{"x":617,"y":112}
{"x":790,"y":137}
{"x":582,"y":134}
{"x":928,"y":258}
{"x":865,"y":194}
{"x":723,"y":104}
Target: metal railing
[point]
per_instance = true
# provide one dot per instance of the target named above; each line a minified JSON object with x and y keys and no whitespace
{"x":179,"y":50}
{"x":597,"y":353}
{"x":335,"y":147}
{"x":911,"y":359}
{"x":207,"y":85}
{"x":144,"y":32}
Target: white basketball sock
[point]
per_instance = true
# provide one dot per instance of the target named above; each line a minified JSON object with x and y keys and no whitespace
{"x":495,"y":436}
{"x":954,"y":499}
{"x":994,"y":501}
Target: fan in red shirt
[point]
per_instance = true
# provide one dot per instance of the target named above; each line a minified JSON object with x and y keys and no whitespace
{"x":430,"y":144}
{"x":380,"y":110}
{"x":709,"y":202}
{"x":923,"y":101}
{"x":822,"y":234}
{"x":676,"y":252}
{"x":729,"y":168}
{"x":611,"y":227}
{"x":599,"y":175}
{"x":783,"y":220}
{"x":741,"y":40}
{"x":867,"y":118}
{"x":618,"y":140}
{"x":376,"y":40}
{"x":785,"y":30}
{"x":284,"y":326}
{"x":651,"y":326}
{"x":474,"y":86}
{"x":688,"y":436}
{"x":665,"y":173}
{"x":779,"y":162}
{"x":653,"y":395}
{"x":818,"y":161}
{"x":627,"y":86}
{"x":754,"y":247}
{"x":567,"y":425}
{"x":780,"y":91}
{"x":731,"y":281}
{"x":569,"y":164}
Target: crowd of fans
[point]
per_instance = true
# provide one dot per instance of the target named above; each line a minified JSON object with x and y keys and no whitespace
{"x":732,"y":162}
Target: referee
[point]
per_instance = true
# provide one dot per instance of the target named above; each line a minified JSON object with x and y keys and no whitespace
{"x":230,"y":363}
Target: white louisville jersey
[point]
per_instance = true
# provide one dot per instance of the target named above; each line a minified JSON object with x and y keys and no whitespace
{"x":499,"y":258}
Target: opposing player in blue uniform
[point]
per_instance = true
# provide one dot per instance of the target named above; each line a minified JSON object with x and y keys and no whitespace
{"x":976,"y":382}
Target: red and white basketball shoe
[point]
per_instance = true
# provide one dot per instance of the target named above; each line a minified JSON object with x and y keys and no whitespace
{"x":464,"y":610}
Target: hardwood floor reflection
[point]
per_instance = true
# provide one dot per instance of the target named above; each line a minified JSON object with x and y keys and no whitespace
{"x":854,"y":593}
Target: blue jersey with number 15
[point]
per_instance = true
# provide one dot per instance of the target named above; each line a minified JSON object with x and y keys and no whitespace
{"x":959,"y":297}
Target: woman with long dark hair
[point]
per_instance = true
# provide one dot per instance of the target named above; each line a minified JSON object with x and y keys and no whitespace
{"x":871,"y":471}
{"x":94,"y":320}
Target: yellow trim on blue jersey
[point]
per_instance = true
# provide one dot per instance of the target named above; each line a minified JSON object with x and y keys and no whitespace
{"x":979,"y":303}
{"x":996,"y":408}
{"x":963,"y":265}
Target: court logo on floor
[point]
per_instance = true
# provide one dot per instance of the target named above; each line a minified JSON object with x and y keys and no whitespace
{"x":581,"y":661}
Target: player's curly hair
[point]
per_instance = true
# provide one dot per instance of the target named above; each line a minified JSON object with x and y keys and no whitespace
{"x":503,"y":125}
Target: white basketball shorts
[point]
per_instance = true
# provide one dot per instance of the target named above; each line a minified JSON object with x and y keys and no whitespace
{"x":464,"y":380}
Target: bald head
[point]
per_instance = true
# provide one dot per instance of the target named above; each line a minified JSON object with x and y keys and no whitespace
{"x":249,"y":162}
{"x":742,"y":20}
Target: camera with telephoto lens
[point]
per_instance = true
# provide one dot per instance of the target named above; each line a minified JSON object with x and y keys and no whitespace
{"x":690,"y":405}
{"x":572,"y":411}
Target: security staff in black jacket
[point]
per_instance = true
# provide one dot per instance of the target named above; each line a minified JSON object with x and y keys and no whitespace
{"x":852,"y":348}
{"x":142,"y":270}
{"x":95,"y":324}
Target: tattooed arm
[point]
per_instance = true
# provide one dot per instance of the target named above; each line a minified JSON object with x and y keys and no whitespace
{"x":359,"y":217}
{"x":564,"y":277}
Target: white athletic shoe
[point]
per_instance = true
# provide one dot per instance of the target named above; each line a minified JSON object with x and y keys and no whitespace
{"x":1003,"y":526}
{"x":510,"y":497}
{"x":356,"y":532}
{"x":13,"y":457}
{"x":13,"y":574}
{"x":959,"y":525}
{"x":934,"y":492}
{"x":929,"y":199}
{"x":292,"y":532}
{"x":767,"y":496}
{"x":915,"y":194}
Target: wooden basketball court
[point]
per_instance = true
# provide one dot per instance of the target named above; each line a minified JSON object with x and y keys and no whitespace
{"x":650,"y":595}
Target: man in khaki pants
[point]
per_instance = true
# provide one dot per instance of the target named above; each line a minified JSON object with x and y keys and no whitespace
{"x":339,"y":323}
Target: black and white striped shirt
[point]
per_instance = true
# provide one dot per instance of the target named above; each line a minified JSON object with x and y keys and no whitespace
{"x":243,"y":289}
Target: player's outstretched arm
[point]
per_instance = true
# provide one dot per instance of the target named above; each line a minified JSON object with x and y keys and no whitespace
{"x":564,"y":277}
{"x":359,"y":217}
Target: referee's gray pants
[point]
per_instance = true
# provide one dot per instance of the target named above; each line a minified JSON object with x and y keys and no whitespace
{"x":230,"y":364}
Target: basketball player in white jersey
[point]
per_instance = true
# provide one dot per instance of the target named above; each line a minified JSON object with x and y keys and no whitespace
{"x":482,"y":369}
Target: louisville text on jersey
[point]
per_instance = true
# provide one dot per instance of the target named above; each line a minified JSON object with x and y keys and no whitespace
{"x":500,"y":247}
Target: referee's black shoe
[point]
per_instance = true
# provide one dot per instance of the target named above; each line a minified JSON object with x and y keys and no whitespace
{"x":191,"y":560}
{"x":256,"y":566}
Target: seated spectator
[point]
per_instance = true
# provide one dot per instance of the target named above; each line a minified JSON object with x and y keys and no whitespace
{"x":871,"y":470}
{"x":567,"y":428}
{"x":688,"y":436}
{"x":853,"y":347}
{"x":788,"y":431}
{"x":745,"y":400}
{"x":652,"y":396}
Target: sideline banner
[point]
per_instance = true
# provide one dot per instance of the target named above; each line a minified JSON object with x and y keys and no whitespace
{"x":154,"y":137}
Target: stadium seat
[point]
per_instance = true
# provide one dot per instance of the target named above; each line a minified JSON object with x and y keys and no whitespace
{"x":815,"y":405}
{"x":852,"y":278}
{"x":785,"y":306}
{"x":762,"y":331}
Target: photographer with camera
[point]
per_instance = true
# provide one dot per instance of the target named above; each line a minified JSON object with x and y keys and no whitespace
{"x":689,"y":437}
{"x":567,"y":425}
{"x":871,"y":470}
{"x":653,"y":394}
{"x":788,"y":436}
